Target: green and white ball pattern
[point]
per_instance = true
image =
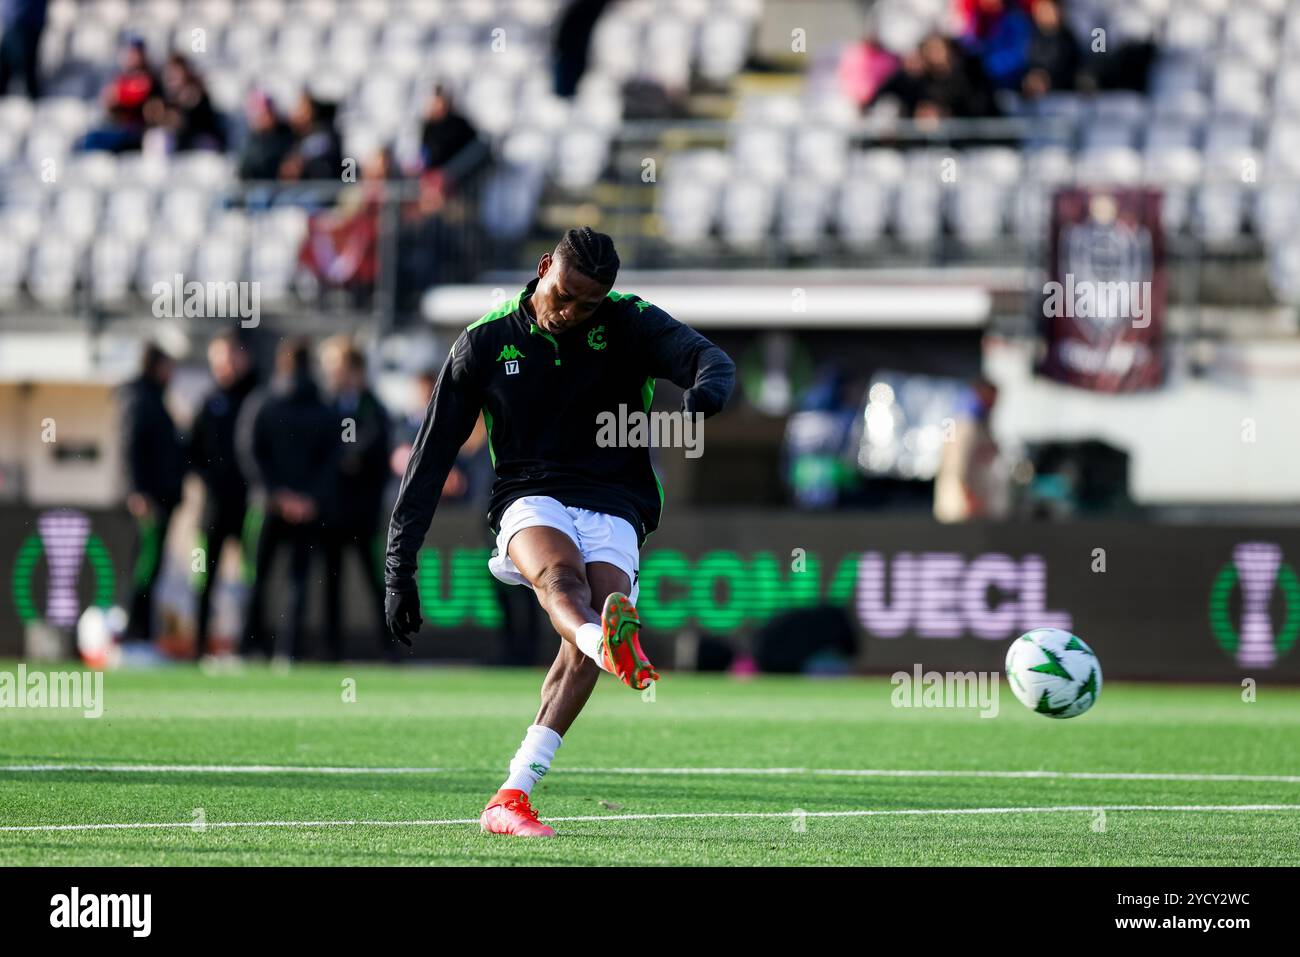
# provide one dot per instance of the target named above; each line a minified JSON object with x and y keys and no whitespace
{"x":1053,"y":672}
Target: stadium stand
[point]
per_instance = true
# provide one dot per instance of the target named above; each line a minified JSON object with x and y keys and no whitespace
{"x":107,"y":225}
{"x":797,"y":168}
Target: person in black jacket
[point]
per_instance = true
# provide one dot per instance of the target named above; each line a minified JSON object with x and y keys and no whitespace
{"x":155,"y":466}
{"x":213,"y":457}
{"x":287,"y":440}
{"x":362,"y":477}
{"x":558,"y":372}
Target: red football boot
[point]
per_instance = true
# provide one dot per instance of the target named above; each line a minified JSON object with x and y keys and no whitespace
{"x":510,"y":813}
{"x":619,"y":627}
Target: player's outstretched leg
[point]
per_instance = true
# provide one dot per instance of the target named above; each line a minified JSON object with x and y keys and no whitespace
{"x":590,"y":610}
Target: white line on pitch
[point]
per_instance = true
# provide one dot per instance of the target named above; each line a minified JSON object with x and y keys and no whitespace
{"x":892,"y":812}
{"x":216,"y":769}
{"x":826,"y":772}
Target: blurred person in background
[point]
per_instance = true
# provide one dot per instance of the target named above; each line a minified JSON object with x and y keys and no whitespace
{"x":287,"y":439}
{"x":214,"y":458}
{"x":268,"y":141}
{"x":124,"y":100}
{"x":362,"y":476}
{"x":573,"y":42}
{"x":155,"y":464}
{"x":421,"y":392}
{"x":998,"y":32}
{"x":342,"y":244}
{"x":183,"y":112}
{"x":21,"y":24}
{"x":469,"y":484}
{"x":863,"y":70}
{"x":316,"y":152}
{"x":1054,"y":57}
{"x":970,"y":483}
{"x":817,"y":450}
{"x":937,"y":81}
{"x":445,"y":132}
{"x":953,"y":84}
{"x":471,"y":474}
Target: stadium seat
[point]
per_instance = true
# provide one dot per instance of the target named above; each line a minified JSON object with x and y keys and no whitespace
{"x":801,"y":220}
{"x":52,"y":277}
{"x":13,"y":262}
{"x":1274,"y":212}
{"x":862,"y":212}
{"x":1116,"y":166}
{"x":112,"y":265}
{"x":128,"y":213}
{"x":747,"y":210}
{"x":1217,"y":212}
{"x":76,"y":213}
{"x":162,"y":258}
{"x":183,"y":211}
{"x":820,"y":152}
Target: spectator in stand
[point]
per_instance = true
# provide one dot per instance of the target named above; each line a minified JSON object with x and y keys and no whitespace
{"x":903,"y":87}
{"x":316,"y":153}
{"x":937,"y":82}
{"x":155,"y":466}
{"x":864,"y":68}
{"x":445,"y":132}
{"x":953,"y":85}
{"x":342,"y":244}
{"x":361,"y":480}
{"x":124,"y":101}
{"x":21,"y":24}
{"x":213,"y":457}
{"x":1053,"y":61}
{"x":268,"y":142}
{"x":184,"y":111}
{"x":998,"y":32}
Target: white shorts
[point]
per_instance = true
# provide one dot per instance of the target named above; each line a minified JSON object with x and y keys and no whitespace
{"x":599,"y":537}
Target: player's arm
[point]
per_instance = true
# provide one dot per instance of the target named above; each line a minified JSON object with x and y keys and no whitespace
{"x":448,"y":420}
{"x":687,"y":359}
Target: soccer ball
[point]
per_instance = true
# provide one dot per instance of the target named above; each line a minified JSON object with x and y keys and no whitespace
{"x":1053,"y":672}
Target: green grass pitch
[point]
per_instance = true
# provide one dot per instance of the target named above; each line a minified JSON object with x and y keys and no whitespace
{"x":201,"y":735}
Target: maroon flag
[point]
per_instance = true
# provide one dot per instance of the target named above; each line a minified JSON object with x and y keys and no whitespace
{"x":1104,"y":302}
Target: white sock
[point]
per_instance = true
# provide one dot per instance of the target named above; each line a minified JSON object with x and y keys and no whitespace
{"x":590,"y":641}
{"x":533,"y":759}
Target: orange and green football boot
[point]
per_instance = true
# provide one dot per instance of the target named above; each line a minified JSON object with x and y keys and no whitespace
{"x":619,"y":626}
{"x":510,"y":813}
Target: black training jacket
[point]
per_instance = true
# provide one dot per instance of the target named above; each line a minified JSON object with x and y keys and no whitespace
{"x":151,"y":446}
{"x":540,"y":395}
{"x":287,"y":438}
{"x":212,"y":445}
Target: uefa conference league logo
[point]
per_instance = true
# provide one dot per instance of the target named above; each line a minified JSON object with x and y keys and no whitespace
{"x":63,"y":539}
{"x":1258,"y":569}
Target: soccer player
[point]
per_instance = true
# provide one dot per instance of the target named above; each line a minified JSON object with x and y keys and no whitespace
{"x":570,"y":513}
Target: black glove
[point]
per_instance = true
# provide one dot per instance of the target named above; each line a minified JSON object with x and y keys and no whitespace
{"x":402,"y":613}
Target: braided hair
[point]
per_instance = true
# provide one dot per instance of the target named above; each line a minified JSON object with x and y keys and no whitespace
{"x":590,"y":253}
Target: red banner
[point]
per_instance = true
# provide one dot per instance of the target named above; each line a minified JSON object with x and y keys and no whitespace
{"x":1104,"y":302}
